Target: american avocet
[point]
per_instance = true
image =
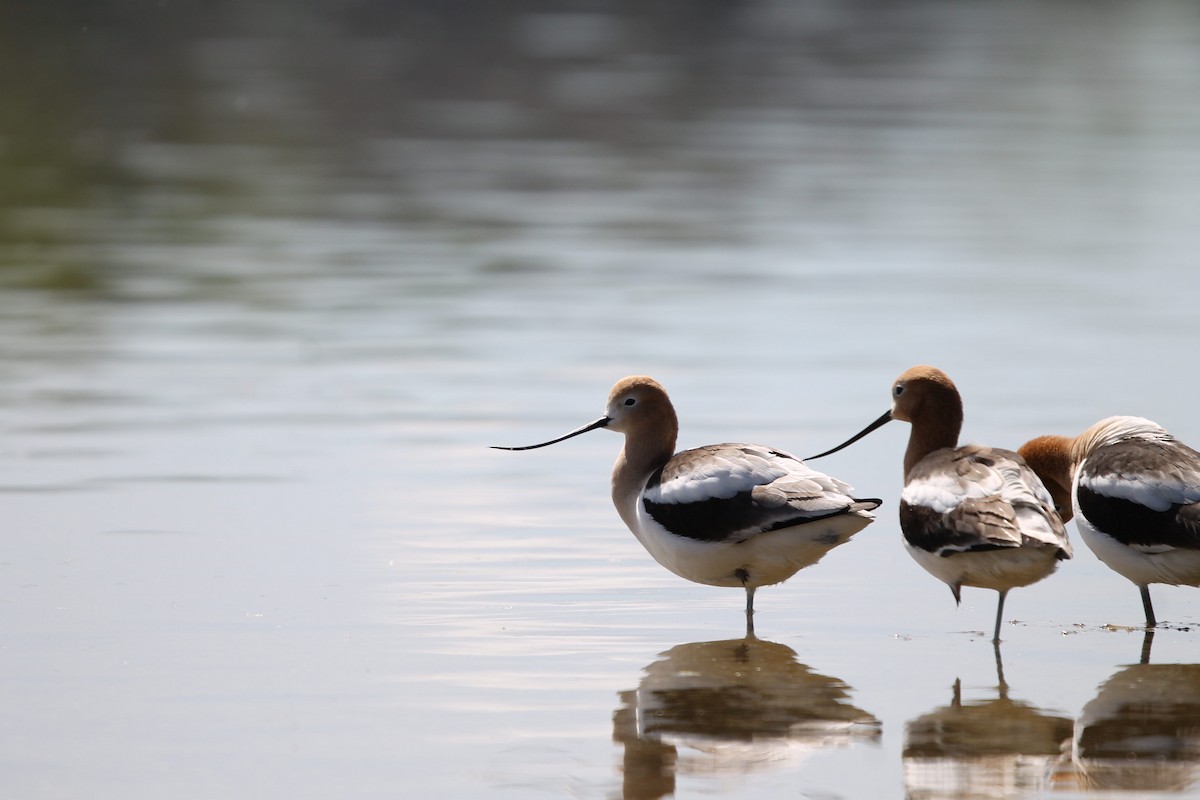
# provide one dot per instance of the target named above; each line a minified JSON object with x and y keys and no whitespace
{"x":1135,"y":493}
{"x":724,"y":514}
{"x":970,"y":515}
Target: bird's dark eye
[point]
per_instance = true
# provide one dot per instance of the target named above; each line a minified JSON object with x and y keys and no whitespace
{"x":899,"y":390}
{"x":629,"y":401}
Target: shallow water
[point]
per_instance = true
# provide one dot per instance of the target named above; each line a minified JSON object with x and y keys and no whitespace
{"x":272,"y":280}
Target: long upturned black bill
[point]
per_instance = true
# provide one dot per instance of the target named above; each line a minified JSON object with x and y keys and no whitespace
{"x":879,"y":423}
{"x":591,"y":426}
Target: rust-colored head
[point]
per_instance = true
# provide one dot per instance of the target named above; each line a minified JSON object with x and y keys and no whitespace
{"x":926,"y":397}
{"x":1050,"y":458}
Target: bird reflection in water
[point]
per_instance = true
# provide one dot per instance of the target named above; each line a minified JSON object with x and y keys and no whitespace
{"x":1141,"y":732}
{"x":982,"y":749}
{"x":729,"y":707}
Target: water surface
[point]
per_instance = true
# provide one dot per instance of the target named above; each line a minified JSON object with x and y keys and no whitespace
{"x":272,"y":279}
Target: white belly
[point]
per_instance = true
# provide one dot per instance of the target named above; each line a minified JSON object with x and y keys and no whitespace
{"x":989,"y":569}
{"x":766,"y":558}
{"x":1172,"y":565}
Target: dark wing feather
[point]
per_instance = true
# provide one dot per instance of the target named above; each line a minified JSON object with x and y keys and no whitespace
{"x":1142,"y":493}
{"x":973,"y":526}
{"x":730,"y":492}
{"x":978,"y":498}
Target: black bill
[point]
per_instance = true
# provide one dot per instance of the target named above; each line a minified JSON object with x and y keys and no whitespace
{"x":879,"y":423}
{"x":591,"y":426}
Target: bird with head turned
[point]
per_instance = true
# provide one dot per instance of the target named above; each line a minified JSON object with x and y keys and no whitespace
{"x":1134,"y":493}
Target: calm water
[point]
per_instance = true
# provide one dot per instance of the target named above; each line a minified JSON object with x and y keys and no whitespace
{"x":271,"y":280}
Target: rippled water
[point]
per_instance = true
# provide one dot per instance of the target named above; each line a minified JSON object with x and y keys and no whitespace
{"x":272,"y":279}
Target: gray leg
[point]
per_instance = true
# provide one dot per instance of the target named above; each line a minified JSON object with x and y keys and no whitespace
{"x":1150,"y":621}
{"x":999,"y":615}
{"x":744,"y":577}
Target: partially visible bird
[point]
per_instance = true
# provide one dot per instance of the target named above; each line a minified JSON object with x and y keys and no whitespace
{"x":1134,"y":492}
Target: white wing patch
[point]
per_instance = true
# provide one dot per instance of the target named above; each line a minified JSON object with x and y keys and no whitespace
{"x":724,"y":470}
{"x":945,"y":491}
{"x":1157,"y":490}
{"x":720,"y":476}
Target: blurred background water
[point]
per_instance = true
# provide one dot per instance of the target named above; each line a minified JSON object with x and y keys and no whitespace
{"x":273,"y":276}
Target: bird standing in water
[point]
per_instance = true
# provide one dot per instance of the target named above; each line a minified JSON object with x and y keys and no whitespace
{"x":971,"y":515}
{"x":740,"y":515}
{"x":1134,"y":492}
